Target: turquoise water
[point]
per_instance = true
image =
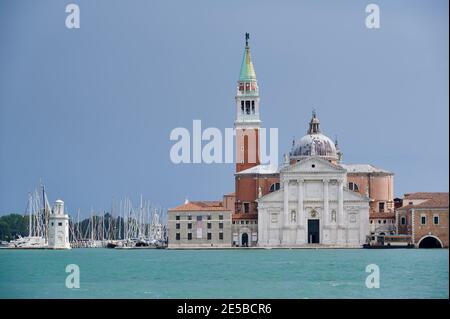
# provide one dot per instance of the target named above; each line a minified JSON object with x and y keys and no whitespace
{"x":154,"y":273}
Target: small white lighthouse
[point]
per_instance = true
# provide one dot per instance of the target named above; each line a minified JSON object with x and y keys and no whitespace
{"x":58,"y":228}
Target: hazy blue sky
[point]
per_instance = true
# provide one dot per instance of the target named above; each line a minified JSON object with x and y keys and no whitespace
{"x":90,"y":110}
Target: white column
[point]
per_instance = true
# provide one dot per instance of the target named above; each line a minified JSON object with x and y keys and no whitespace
{"x":286,"y":202}
{"x":326,"y":213}
{"x":341,"y":203}
{"x":300,"y":202}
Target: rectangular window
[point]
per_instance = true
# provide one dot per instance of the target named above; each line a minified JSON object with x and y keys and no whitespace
{"x":209,"y":225}
{"x":436,"y":220}
{"x":208,"y":236}
{"x":199,"y":218}
{"x":177,"y":217}
{"x":177,"y":236}
{"x":189,"y":217}
{"x":403,"y":220}
{"x":381,"y":207}
{"x":53,"y":224}
{"x":189,"y":236}
{"x":221,"y":236}
{"x":246,"y":207}
{"x":220,"y":216}
{"x":177,"y":226}
{"x":60,"y":224}
{"x":423,"y":220}
{"x":220,"y":225}
{"x":209,"y":217}
{"x":189,"y":226}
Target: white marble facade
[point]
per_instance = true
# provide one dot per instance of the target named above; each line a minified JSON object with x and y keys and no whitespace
{"x":313,"y":206}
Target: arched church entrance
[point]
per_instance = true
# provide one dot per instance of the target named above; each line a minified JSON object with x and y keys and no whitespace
{"x":430,"y":242}
{"x":244,"y":240}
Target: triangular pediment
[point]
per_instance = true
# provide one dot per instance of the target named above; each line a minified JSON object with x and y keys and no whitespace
{"x":313,"y":164}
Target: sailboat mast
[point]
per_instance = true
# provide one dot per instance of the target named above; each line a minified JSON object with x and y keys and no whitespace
{"x":44,"y":198}
{"x":30,"y":213}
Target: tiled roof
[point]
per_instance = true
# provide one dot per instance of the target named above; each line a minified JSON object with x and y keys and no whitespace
{"x":425,"y":195}
{"x":375,"y":215}
{"x":200,"y":206}
{"x":363,"y":168}
{"x":244,"y":216}
{"x":432,"y":200}
{"x":230,"y":194}
{"x":260,"y":169}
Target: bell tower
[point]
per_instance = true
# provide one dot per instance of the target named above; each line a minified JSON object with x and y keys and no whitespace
{"x":248,"y":121}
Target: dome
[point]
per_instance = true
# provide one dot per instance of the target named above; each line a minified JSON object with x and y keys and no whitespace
{"x":314,"y":144}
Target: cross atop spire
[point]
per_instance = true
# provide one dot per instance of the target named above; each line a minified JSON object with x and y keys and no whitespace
{"x":247,"y":73}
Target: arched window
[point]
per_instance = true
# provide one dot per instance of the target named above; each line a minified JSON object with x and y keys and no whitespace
{"x":274,"y":187}
{"x":352,"y":186}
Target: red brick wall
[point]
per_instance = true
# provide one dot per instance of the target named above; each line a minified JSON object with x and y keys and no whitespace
{"x":247,"y":189}
{"x":440,"y":230}
{"x":249,"y":140}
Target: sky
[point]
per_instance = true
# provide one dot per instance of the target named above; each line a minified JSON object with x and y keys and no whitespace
{"x":89,"y":111}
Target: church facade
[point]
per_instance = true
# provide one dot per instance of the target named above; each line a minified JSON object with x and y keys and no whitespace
{"x":313,"y":204}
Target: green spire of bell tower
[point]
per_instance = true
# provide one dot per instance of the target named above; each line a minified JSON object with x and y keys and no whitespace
{"x":247,"y":70}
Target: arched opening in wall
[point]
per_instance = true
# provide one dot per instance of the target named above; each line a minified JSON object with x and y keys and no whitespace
{"x":430,"y":242}
{"x":274,"y":187}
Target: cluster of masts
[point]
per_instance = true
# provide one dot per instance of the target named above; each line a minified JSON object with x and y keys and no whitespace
{"x":38,"y":211}
{"x":125,"y":225}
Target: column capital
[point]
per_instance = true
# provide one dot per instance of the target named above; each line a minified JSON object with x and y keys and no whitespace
{"x":326,"y":180}
{"x":300,"y":180}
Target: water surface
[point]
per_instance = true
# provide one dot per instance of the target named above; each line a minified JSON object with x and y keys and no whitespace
{"x":154,"y":273}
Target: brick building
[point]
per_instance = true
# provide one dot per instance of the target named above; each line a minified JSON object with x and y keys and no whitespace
{"x":378,"y":185}
{"x":424,"y":216}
